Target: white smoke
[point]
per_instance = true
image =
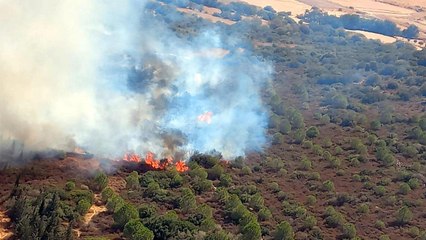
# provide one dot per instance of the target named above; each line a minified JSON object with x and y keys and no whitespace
{"x":64,"y":81}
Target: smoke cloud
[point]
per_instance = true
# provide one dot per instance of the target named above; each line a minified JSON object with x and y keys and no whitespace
{"x":111,"y":78}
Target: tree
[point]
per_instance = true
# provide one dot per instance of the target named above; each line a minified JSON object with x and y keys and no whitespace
{"x":146,"y":211}
{"x":125,"y":214}
{"x":187,"y":201}
{"x":132,"y":181}
{"x":135,"y":230}
{"x":349,"y":231}
{"x":284,"y":231}
{"x":299,"y":136}
{"x":251,"y":231}
{"x":83,"y":206}
{"x":285,"y":126}
{"x":100,"y":181}
{"x":277,"y":139}
{"x":107,"y":193}
{"x":215,"y":172}
{"x":403,"y":216}
{"x":312,"y":132}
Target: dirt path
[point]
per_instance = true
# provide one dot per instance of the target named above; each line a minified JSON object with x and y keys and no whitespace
{"x":93,"y":211}
{"x":5,"y":233}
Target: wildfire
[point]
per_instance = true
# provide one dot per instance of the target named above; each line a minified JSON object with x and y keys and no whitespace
{"x":157,"y":164}
{"x":205,"y":117}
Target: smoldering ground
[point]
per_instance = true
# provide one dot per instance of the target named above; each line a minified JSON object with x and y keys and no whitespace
{"x":113,"y":77}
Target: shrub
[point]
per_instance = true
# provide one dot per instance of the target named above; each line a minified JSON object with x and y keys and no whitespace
{"x":403,"y":216}
{"x":83,"y":206}
{"x":256,"y":201}
{"x":146,"y":211}
{"x":107,"y":193}
{"x":246,"y":170}
{"x":328,"y":186}
{"x":225,"y":180}
{"x":380,"y":191}
{"x":69,"y":186}
{"x":125,"y":214}
{"x":100,"y":181}
{"x":306,"y":164}
{"x":114,"y":203}
{"x":132,"y":181}
{"x":309,"y":222}
{"x":349,"y":230}
{"x":215,"y":172}
{"x":274,"y":187}
{"x":187,"y":201}
{"x":363,"y":208}
{"x":251,"y":231}
{"x":264,"y":214}
{"x":299,"y":136}
{"x":413,"y":183}
{"x":284,"y":231}
{"x":135,"y":230}
{"x":404,"y":189}
{"x":311,"y":200}
{"x":312,"y":132}
{"x":379,"y":225}
{"x":218,"y":235}
{"x":413,"y":232}
{"x":375,"y":125}
{"x":277,"y":139}
{"x":285,"y":127}
{"x":384,"y":237}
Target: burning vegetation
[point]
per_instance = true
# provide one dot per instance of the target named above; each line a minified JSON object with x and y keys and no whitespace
{"x":158,"y":164}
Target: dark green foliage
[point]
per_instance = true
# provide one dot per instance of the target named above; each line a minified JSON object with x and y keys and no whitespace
{"x":38,"y":218}
{"x":107,"y":193}
{"x":218,"y":235}
{"x":187,"y":200}
{"x":83,"y":206}
{"x":126,"y":213}
{"x":69,"y":186}
{"x":284,"y":231}
{"x":206,"y":160}
{"x":349,"y":230}
{"x":225,"y":180}
{"x":100,"y":181}
{"x":299,"y":136}
{"x":312,"y":132}
{"x":147,"y":210}
{"x":132,"y":181}
{"x":215,"y":172}
{"x":251,"y":231}
{"x":168,"y":226}
{"x":135,"y":230}
{"x":277,"y":139}
{"x":404,"y":216}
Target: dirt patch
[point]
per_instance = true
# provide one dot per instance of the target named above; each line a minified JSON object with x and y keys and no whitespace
{"x":5,"y":232}
{"x":374,"y":36}
{"x":206,"y":14}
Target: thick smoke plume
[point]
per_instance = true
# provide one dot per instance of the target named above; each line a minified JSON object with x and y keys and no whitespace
{"x":108,"y":77}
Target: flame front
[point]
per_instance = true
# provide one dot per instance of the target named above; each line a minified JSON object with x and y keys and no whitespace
{"x":157,"y":164}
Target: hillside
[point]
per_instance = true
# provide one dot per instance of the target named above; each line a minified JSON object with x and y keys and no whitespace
{"x":346,"y":152}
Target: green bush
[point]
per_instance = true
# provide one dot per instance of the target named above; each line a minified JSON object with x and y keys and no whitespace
{"x":277,"y":139}
{"x":107,"y":193}
{"x":126,"y":213}
{"x":83,"y":206}
{"x":309,"y":222}
{"x":135,"y":230}
{"x":187,"y":201}
{"x":114,"y":203}
{"x":264,"y":214}
{"x":100,"y":181}
{"x":311,"y":200}
{"x":328,"y":186}
{"x":246,"y":170}
{"x":404,"y":216}
{"x":146,"y":211}
{"x":306,"y":164}
{"x":284,"y":231}
{"x":251,"y":231}
{"x":69,"y":186}
{"x":363,"y":208}
{"x":312,"y":132}
{"x":404,"y":189}
{"x":132,"y":181}
{"x":225,"y":180}
{"x":379,"y":225}
{"x":349,"y":231}
{"x":215,"y":172}
{"x":299,"y":136}
{"x":274,"y":187}
{"x":413,"y":183}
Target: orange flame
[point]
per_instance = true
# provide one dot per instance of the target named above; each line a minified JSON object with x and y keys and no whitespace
{"x":205,"y":117}
{"x":132,"y":158}
{"x":181,"y":166}
{"x":156,"y":164}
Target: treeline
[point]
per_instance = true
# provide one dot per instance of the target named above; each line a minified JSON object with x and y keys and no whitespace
{"x":355,"y":22}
